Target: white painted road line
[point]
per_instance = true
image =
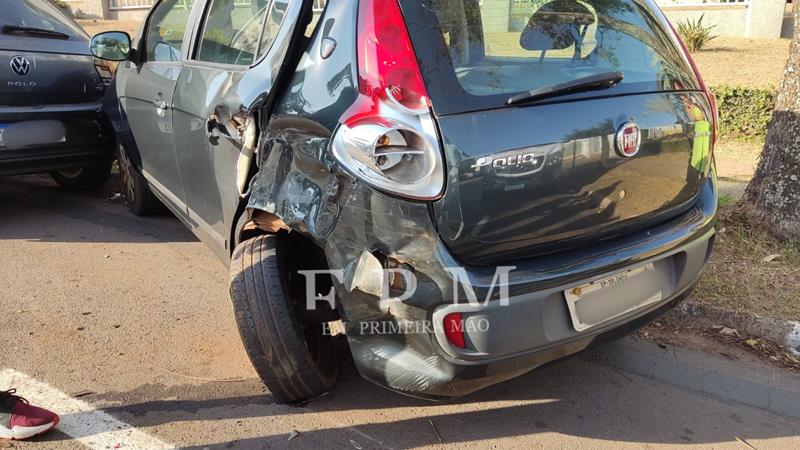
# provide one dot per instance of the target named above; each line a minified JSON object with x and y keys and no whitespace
{"x":91,"y":427}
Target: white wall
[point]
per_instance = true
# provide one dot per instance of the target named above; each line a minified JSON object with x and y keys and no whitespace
{"x":99,"y":9}
{"x":759,"y":18}
{"x":88,"y":9}
{"x":137,"y":14}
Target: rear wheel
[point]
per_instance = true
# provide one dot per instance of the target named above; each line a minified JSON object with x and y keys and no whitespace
{"x":292,"y":355}
{"x":83,"y":178}
{"x":138,"y":197}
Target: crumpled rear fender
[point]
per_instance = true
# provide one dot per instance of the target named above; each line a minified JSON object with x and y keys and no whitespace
{"x":299,"y":183}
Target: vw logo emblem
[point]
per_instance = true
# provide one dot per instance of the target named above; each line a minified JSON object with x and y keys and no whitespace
{"x":628,"y":139}
{"x":20,"y":65}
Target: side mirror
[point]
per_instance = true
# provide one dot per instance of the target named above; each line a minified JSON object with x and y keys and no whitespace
{"x":111,"y":46}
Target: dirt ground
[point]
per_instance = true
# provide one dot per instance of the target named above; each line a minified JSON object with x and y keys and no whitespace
{"x":737,"y":160}
{"x":730,"y":346}
{"x":743,"y":61}
{"x":131,"y":315}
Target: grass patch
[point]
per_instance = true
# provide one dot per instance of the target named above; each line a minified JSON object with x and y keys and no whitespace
{"x":726,"y":200}
{"x":744,"y":274}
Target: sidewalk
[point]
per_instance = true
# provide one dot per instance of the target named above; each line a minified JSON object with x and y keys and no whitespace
{"x":753,"y":384}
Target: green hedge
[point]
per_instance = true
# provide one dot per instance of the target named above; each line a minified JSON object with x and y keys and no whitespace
{"x":744,"y":112}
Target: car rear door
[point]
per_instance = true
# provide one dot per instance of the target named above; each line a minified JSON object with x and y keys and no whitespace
{"x":235,"y":60}
{"x":146,"y":94}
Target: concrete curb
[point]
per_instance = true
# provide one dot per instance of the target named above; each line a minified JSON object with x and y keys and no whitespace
{"x":784,"y":332}
{"x":765,"y":387}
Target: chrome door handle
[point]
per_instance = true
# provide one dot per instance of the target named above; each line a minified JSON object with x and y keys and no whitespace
{"x":160,"y":104}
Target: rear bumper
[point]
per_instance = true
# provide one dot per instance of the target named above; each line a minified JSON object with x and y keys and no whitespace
{"x":532,"y":329}
{"x":41,"y":139}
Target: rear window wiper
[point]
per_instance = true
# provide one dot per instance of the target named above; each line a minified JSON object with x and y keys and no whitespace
{"x":600,"y":81}
{"x":14,"y":29}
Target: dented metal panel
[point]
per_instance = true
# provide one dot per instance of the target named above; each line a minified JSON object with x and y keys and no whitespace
{"x":215,"y":122}
{"x":362,"y":231}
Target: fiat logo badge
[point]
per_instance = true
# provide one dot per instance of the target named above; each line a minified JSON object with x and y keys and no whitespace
{"x":628,"y":139}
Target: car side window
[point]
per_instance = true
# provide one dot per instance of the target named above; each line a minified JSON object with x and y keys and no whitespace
{"x":165,"y":30}
{"x":273,"y":23}
{"x":234,"y":30}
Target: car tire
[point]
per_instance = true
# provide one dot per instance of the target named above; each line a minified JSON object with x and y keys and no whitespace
{"x":137,"y":193}
{"x":295,"y":360}
{"x":83,"y":178}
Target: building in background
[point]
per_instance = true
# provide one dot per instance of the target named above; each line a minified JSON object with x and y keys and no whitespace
{"x":738,"y":18}
{"x":134,"y":10}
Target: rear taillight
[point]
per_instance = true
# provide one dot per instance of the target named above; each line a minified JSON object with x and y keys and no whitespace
{"x":105,"y":70}
{"x":712,"y":101}
{"x":388,"y":138}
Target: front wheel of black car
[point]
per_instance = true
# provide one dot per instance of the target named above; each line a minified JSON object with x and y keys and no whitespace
{"x":83,"y":178}
{"x":293,"y":357}
{"x":138,"y":197}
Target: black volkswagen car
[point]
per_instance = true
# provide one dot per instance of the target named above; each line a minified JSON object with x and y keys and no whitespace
{"x":51,"y":97}
{"x":465,"y":189}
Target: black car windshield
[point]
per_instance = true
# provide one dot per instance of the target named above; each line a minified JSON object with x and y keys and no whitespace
{"x":18,"y":15}
{"x":475,"y":54}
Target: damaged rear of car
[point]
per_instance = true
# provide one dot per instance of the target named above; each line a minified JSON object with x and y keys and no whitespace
{"x":482,"y":222}
{"x":467,"y":189}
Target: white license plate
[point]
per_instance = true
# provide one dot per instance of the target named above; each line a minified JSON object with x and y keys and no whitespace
{"x":602,"y":300}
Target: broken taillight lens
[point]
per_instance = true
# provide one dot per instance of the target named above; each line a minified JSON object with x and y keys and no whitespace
{"x":388,"y":138}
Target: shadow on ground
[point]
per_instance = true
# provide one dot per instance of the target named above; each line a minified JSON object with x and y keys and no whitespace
{"x":24,"y":198}
{"x":574,"y":397}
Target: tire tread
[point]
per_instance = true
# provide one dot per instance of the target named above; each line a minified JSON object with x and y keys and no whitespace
{"x":268,"y":327}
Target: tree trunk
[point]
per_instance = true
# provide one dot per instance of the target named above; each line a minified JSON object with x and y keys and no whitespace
{"x":773,"y":195}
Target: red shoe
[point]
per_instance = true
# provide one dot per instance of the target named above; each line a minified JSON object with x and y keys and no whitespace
{"x":21,"y":420}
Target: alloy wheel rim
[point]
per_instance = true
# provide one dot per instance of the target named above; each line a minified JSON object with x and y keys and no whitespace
{"x":127,"y":177}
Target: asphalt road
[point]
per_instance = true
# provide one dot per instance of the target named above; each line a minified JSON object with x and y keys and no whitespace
{"x":132,"y":316}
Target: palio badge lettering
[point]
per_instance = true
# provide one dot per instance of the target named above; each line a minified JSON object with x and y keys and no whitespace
{"x":516,"y":161}
{"x":628,"y":139}
{"x":20,"y":65}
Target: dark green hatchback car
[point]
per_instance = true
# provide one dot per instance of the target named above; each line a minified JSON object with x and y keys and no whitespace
{"x":465,"y":189}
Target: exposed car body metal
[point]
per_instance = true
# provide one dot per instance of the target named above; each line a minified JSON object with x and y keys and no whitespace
{"x":298,"y":184}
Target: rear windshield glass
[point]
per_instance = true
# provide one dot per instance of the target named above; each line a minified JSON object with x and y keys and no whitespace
{"x":37,"y":14}
{"x":475,"y":54}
